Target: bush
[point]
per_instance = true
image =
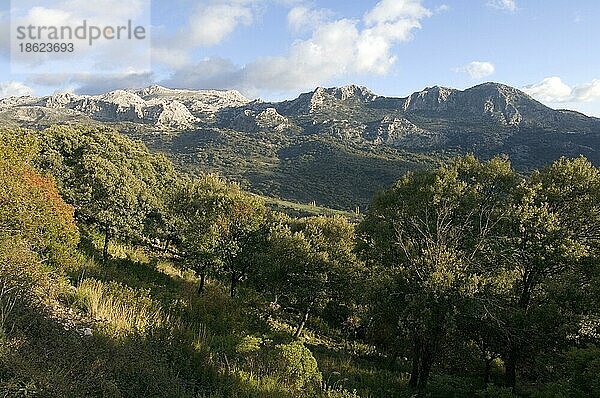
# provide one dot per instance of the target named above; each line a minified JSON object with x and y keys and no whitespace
{"x":296,"y":367}
{"x":249,"y":345}
{"x":583,"y":371}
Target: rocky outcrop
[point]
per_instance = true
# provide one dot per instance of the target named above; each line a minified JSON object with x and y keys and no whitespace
{"x":400,"y":132}
{"x":322,"y":98}
{"x":200,"y":103}
{"x":124,"y":106}
{"x":436,"y":99}
{"x":254,"y":119}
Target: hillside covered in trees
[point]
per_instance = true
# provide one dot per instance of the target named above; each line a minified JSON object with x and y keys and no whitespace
{"x":122,"y":277}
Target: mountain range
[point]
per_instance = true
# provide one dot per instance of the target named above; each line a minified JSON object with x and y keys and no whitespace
{"x":333,"y":146}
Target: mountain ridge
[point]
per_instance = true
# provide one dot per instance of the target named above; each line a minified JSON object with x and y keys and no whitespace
{"x":336,"y":146}
{"x":430,"y":99}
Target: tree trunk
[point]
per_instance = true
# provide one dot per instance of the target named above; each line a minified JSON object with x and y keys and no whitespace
{"x":166,"y":247}
{"x":414,"y":373}
{"x":202,"y":280}
{"x":488,"y":370}
{"x":302,"y":323}
{"x":234,"y":281}
{"x":510,"y":369}
{"x":105,"y":248}
{"x":425,"y":368}
{"x":393,"y":359}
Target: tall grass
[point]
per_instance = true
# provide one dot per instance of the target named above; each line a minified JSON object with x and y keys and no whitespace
{"x":121,"y":308}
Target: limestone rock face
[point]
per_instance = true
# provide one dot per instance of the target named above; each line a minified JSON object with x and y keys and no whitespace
{"x":400,"y":132}
{"x":321,"y":98}
{"x":123,"y":106}
{"x":155,"y":105}
{"x":255,"y":118}
{"x":271,"y":119}
{"x":431,"y":99}
{"x":200,"y":103}
{"x":169,"y":114}
{"x":489,"y":101}
{"x":391,"y":130}
{"x":11,"y":102}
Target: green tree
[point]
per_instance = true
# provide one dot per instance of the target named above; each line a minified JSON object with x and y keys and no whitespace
{"x":311,"y":262}
{"x":429,"y":236}
{"x":219,"y":227}
{"x":548,"y":251}
{"x":113,"y":182}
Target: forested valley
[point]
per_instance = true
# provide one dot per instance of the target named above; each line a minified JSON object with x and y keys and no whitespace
{"x":121,"y":276}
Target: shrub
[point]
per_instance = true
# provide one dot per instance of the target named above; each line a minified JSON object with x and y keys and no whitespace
{"x":296,"y":366}
{"x":583,"y":371}
{"x":249,"y":345}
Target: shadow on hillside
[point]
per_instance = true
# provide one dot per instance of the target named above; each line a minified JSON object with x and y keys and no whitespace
{"x":40,"y":357}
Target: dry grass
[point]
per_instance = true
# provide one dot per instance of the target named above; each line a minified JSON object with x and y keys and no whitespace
{"x":121,"y":308}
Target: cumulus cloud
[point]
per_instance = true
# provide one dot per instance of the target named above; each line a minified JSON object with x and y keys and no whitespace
{"x":334,"y":49}
{"x":392,"y":11}
{"x":104,"y":56}
{"x":507,"y":5}
{"x":210,"y":25}
{"x":477,"y":69}
{"x":14,"y":89}
{"x":587,"y":92}
{"x":302,"y":18}
{"x":554,"y":90}
{"x":442,"y":8}
{"x":551,"y":89}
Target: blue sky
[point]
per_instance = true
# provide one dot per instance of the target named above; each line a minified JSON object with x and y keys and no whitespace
{"x":275,"y":49}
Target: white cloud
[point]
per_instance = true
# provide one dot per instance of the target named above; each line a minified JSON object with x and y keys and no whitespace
{"x":394,"y":10}
{"x":302,"y":18}
{"x":14,"y":89}
{"x":442,"y":8}
{"x":551,"y":89}
{"x":209,"y":25}
{"x":335,"y":49}
{"x":554,"y":90}
{"x":587,"y":92}
{"x":477,"y":69}
{"x":507,"y":5}
{"x":104,"y":56}
{"x":172,"y":57}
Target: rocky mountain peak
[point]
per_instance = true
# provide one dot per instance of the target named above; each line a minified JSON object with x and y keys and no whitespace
{"x":431,"y":98}
{"x":154,"y":89}
{"x":322,"y":97}
{"x":57,"y":100}
{"x":123,"y":98}
{"x":360,"y":93}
